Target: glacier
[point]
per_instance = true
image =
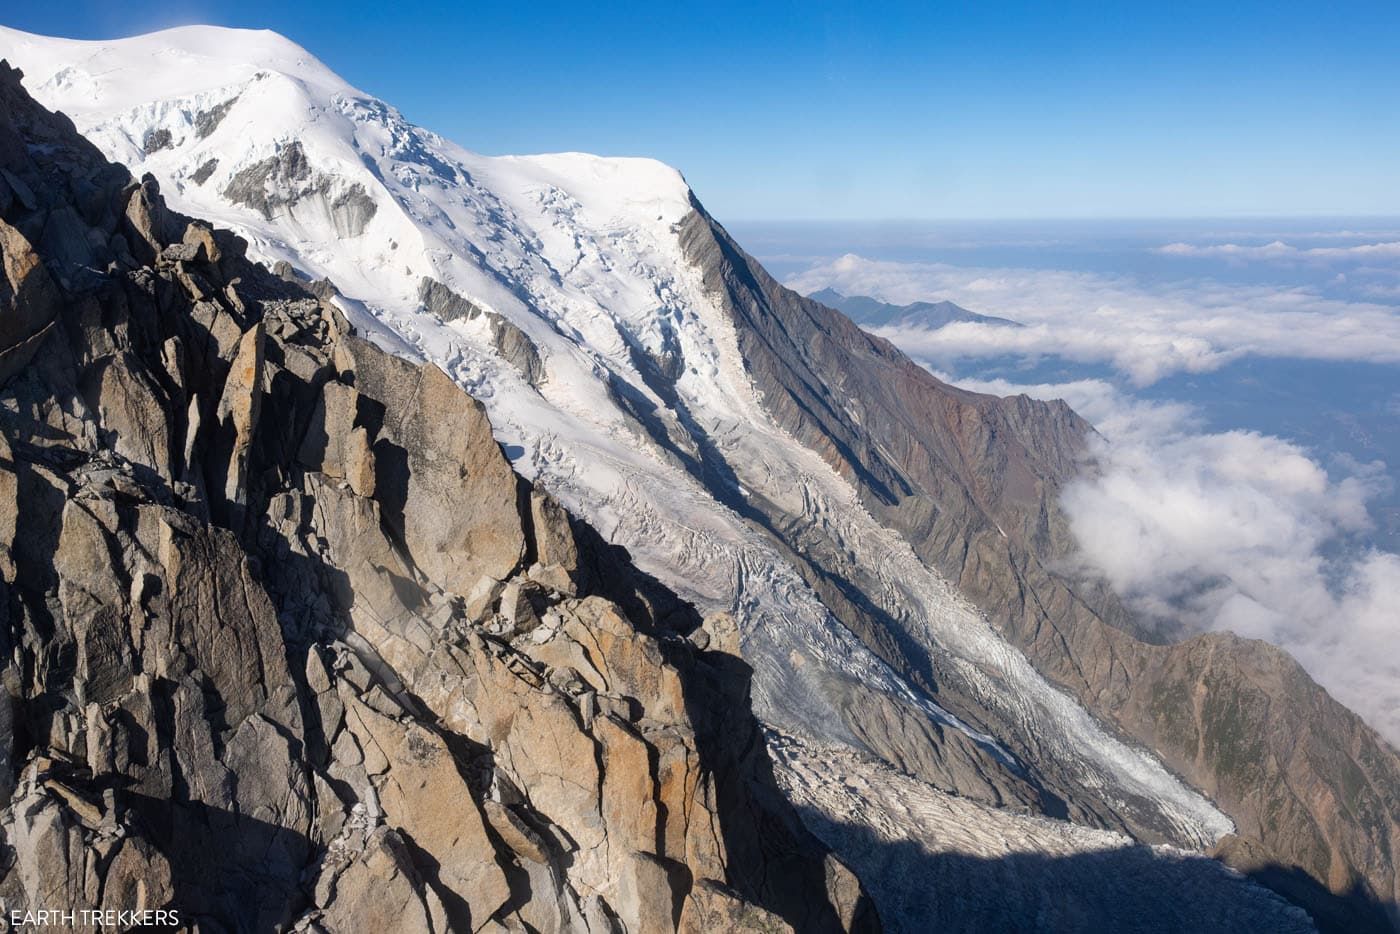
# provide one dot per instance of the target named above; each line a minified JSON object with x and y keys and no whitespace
{"x":581,"y":255}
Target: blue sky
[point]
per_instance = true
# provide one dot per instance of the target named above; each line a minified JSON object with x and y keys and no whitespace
{"x":919,"y":110}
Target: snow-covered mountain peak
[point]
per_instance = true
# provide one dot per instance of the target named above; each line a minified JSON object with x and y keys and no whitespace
{"x":255,"y":132}
{"x":557,"y":289}
{"x":203,"y":57}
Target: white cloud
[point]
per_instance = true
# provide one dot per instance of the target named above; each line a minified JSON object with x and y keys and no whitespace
{"x":1278,"y":250}
{"x":1383,"y":292}
{"x":1144,"y":333}
{"x":1230,"y":531}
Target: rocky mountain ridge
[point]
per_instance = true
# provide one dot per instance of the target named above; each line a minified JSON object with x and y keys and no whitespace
{"x":760,"y":455}
{"x":290,"y":646}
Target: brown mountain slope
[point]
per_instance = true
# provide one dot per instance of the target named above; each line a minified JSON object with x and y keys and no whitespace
{"x":972,"y":482}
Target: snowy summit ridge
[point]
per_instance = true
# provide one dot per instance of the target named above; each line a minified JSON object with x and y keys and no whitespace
{"x":555,"y":288}
{"x":174,"y":101}
{"x":578,"y":252}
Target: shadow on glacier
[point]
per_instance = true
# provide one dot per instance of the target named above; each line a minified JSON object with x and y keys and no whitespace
{"x":1130,"y":890}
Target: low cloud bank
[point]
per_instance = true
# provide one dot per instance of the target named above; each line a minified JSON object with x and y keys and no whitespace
{"x":1144,"y":333}
{"x":1238,"y":531}
{"x":1279,"y":250}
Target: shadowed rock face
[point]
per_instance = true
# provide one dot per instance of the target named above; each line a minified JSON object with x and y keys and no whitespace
{"x":288,"y":644}
{"x":204,"y":172}
{"x":156,"y":140}
{"x":511,"y":342}
{"x":286,"y":181}
{"x":207,"y":121}
{"x":972,"y":482}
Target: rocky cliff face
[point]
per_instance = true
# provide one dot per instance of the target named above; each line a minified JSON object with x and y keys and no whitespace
{"x":289,"y":645}
{"x":972,"y":482}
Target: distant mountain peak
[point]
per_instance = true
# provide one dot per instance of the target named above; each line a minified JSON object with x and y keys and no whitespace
{"x":873,"y":313}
